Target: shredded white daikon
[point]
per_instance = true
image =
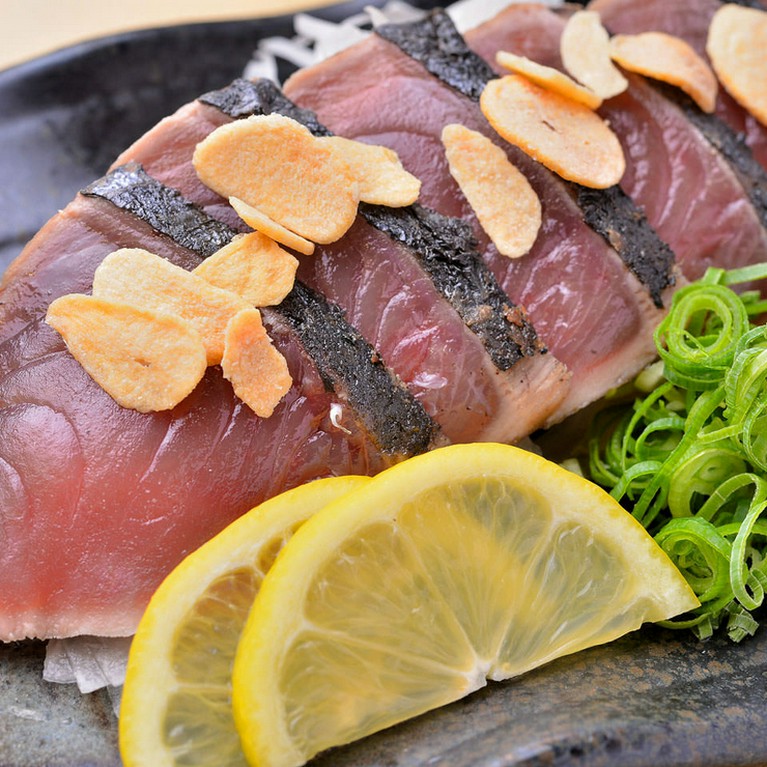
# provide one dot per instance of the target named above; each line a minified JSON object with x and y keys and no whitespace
{"x":317,"y":39}
{"x":91,"y":663}
{"x":471,"y":13}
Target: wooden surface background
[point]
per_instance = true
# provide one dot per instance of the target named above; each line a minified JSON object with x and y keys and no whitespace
{"x":30,"y":28}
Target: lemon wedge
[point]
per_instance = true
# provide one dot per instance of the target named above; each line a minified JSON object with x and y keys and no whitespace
{"x":176,"y":705}
{"x":469,"y":563}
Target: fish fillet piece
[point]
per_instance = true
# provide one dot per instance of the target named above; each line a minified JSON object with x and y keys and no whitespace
{"x":389,"y":297}
{"x":690,"y":194}
{"x":602,"y":342}
{"x":690,"y":21}
{"x":98,"y":503}
{"x":102,"y":501}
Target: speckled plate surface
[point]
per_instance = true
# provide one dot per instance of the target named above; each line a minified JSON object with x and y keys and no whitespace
{"x":653,"y":699}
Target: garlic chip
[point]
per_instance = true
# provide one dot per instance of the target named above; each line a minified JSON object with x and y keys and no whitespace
{"x":565,"y":136}
{"x":254,"y":267}
{"x":144,"y":280}
{"x":585,"y":51}
{"x":259,"y":221}
{"x":382,"y":179}
{"x":669,"y":59}
{"x":549,"y":78}
{"x":737,"y":47}
{"x":144,"y":359}
{"x":276,"y":165}
{"x":506,"y":205}
{"x":257,"y":371}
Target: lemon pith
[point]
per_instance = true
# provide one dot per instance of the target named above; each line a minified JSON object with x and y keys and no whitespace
{"x":176,"y":705}
{"x":468,"y":563}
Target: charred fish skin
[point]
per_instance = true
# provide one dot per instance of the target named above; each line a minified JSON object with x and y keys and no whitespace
{"x":612,"y":213}
{"x":730,"y":145}
{"x":352,"y":368}
{"x":453,"y":62}
{"x":446,"y":250}
{"x":396,"y":422}
{"x":436,"y":43}
{"x":130,"y":188}
{"x":243,"y":98}
{"x":443,"y":245}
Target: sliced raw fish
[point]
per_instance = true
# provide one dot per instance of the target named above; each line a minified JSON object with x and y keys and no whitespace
{"x":690,"y":194}
{"x":98,"y":503}
{"x":590,"y":310}
{"x":387,"y":294}
{"x":690,"y":21}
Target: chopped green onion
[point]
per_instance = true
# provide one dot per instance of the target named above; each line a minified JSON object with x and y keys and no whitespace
{"x":688,"y":457}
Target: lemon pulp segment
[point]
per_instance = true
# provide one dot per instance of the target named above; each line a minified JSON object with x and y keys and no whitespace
{"x":467,"y":563}
{"x":176,"y":705}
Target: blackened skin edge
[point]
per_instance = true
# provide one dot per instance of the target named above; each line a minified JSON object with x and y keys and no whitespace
{"x":394,"y":419}
{"x":244,"y":98}
{"x":166,"y":210}
{"x":730,"y":144}
{"x":398,"y":421}
{"x":444,"y":246}
{"x":612,"y":213}
{"x":437,"y":44}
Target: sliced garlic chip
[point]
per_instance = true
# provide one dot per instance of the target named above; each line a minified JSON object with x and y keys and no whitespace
{"x":254,"y":267}
{"x":382,"y":179}
{"x":276,"y":165}
{"x":140,"y":278}
{"x":737,"y":47}
{"x":258,"y":372}
{"x":565,"y":136}
{"x":549,"y":78}
{"x":506,"y":205}
{"x":259,"y":221}
{"x":585,"y":51}
{"x":670,"y":60}
{"x":144,"y":359}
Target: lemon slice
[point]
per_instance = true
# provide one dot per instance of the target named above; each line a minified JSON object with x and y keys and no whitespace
{"x":467,"y":563}
{"x":176,"y":705}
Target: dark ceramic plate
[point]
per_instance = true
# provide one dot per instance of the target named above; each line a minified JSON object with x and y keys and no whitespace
{"x":654,"y":699}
